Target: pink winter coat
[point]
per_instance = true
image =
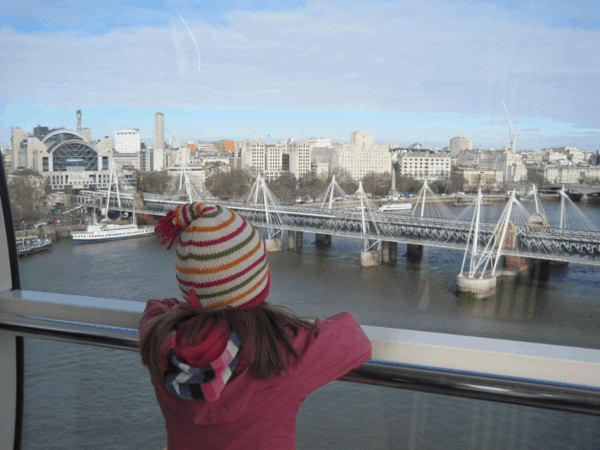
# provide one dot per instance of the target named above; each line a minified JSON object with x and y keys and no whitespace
{"x":258,"y":414}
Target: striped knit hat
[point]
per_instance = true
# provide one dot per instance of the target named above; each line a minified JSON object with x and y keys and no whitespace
{"x":221,"y":258}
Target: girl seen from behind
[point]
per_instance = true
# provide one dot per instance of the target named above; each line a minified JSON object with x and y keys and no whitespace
{"x":229,"y":370}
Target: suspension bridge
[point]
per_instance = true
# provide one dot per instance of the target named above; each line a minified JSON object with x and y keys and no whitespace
{"x":522,"y":231}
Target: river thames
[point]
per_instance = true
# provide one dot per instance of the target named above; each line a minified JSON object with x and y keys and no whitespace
{"x":82,"y":397}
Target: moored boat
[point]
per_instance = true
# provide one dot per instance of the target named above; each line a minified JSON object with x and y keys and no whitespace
{"x":30,"y":245}
{"x":97,"y":232}
{"x":395,"y":207}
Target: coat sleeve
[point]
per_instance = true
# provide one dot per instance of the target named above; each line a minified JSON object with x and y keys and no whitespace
{"x":154,"y":310}
{"x":339,"y":347}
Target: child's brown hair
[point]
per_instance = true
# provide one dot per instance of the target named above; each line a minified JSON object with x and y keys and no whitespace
{"x":265,"y":332}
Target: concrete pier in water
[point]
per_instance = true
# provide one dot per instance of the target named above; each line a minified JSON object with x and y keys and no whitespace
{"x":475,"y":287}
{"x":291,"y":239}
{"x":393,"y":252}
{"x":299,"y":239}
{"x":385,"y":252}
{"x":369,"y":258}
{"x":414,"y":252}
{"x":389,"y":252}
{"x":274,"y":244}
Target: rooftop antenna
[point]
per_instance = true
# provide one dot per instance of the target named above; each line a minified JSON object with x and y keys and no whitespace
{"x":79,"y":120}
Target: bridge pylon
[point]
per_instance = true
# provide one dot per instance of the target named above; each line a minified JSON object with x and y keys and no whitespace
{"x":261,"y":196}
{"x":371,"y":247}
{"x":570,"y":216}
{"x":333,"y":193}
{"x":475,"y":282}
{"x":429,"y":205}
{"x":536,"y":204}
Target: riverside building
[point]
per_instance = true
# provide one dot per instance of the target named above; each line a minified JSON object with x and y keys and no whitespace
{"x":253,"y":156}
{"x":480,"y":176}
{"x":271,"y":160}
{"x":567,"y":172}
{"x":460,"y":143}
{"x":127,"y":148}
{"x":425,"y":164}
{"x":274,"y":160}
{"x":64,"y":157}
{"x":362,"y":155}
{"x":358,"y":157}
{"x":510,"y":164}
{"x":300,"y":156}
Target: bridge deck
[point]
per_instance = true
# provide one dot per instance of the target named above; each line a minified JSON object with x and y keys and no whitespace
{"x":581,"y":247}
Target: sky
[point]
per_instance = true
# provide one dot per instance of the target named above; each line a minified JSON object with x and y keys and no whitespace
{"x":406,"y":71}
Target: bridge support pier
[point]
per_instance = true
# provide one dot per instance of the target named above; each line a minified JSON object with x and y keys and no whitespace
{"x":274,"y":244}
{"x":369,"y":258}
{"x":475,"y":287}
{"x":323,"y":240}
{"x":393,"y":252}
{"x":299,"y":239}
{"x":541,"y":269}
{"x":291,"y":239}
{"x":515,"y":264}
{"x":558,"y":266}
{"x":414,"y":252}
{"x":385,"y":252}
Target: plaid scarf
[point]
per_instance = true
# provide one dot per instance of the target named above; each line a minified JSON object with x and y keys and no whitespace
{"x":203,"y":383}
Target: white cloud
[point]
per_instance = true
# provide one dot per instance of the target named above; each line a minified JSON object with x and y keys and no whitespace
{"x":433,"y":57}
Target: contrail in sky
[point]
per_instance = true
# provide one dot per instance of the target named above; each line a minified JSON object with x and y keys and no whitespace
{"x":189,"y":31}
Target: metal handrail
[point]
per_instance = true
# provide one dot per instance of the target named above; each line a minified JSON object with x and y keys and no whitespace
{"x":462,"y":384}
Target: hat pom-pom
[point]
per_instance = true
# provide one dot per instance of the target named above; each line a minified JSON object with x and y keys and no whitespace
{"x":168,"y":228}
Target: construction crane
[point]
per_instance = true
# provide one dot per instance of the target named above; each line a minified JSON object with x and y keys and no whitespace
{"x":513,"y":136}
{"x":173,"y":137}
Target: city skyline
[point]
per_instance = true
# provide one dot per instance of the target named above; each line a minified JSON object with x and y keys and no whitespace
{"x":406,"y":72}
{"x":345,"y":123}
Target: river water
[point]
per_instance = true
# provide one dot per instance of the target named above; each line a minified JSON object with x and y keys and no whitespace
{"x":82,"y":397}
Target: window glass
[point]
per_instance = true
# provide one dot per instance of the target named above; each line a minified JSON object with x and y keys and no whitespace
{"x":84,"y":397}
{"x":498,"y":86}
{"x":390,"y":419}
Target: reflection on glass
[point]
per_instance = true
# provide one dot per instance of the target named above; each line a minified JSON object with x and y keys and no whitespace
{"x":498,"y":95}
{"x":83,"y":397}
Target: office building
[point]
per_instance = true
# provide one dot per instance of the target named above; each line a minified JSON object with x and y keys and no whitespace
{"x":64,"y":157}
{"x":300,"y":158}
{"x":460,"y":143}
{"x":361,"y":156}
{"x":151,"y":159}
{"x":425,"y":164}
{"x":127,"y":141}
{"x":253,"y":156}
{"x":480,"y":176}
{"x":159,"y":131}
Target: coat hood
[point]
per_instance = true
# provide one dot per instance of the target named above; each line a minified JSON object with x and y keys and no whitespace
{"x":200,"y":370}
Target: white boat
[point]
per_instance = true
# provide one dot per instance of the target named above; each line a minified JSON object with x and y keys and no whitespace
{"x":97,"y":232}
{"x":29,"y":245}
{"x":395,"y":207}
